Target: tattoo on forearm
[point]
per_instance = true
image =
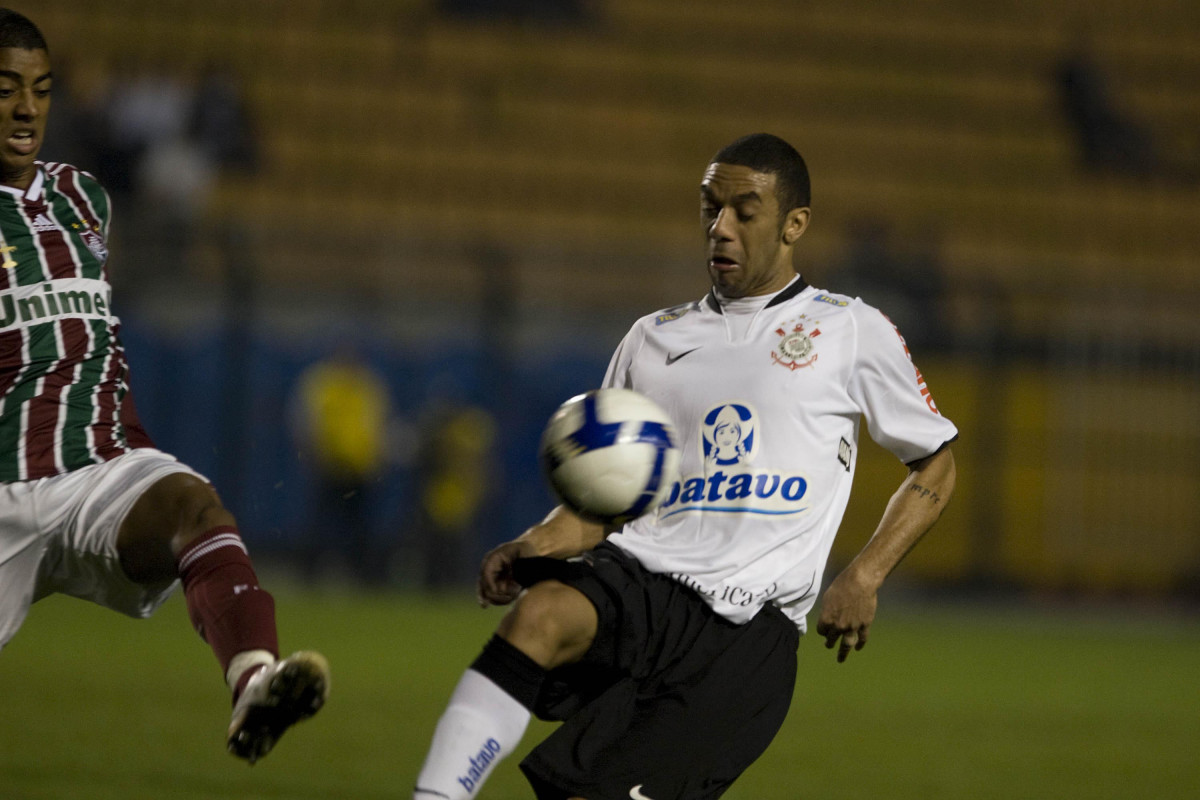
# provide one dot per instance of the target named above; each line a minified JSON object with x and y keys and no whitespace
{"x":924,"y":492}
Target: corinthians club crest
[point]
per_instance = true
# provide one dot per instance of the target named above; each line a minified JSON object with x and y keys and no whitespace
{"x":795,"y":348}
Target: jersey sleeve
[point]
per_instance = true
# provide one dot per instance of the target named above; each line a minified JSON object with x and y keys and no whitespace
{"x":100,"y":200}
{"x":619,"y":374}
{"x":891,"y":392}
{"x":86,"y":189}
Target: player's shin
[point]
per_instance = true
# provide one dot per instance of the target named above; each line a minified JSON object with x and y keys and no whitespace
{"x":226,"y":605}
{"x":483,"y":722}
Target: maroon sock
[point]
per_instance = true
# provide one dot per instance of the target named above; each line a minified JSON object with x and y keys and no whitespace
{"x":225,"y":603}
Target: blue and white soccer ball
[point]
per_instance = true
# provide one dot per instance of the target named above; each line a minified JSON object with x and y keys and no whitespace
{"x":610,"y":455}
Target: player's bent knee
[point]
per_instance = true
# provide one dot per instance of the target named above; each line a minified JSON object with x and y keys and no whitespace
{"x":199,"y":509}
{"x":164,"y":520}
{"x":552,"y":623}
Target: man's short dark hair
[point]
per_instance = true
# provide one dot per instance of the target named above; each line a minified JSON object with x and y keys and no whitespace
{"x":763,"y":152}
{"x":16,"y":30}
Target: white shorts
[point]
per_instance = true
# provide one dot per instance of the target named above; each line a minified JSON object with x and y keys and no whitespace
{"x":59,"y":534}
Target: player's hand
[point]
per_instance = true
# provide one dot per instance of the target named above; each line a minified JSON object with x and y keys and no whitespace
{"x":496,"y":584}
{"x":847,"y":611}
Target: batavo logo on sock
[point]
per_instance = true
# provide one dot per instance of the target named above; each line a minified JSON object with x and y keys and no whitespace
{"x":479,"y":764}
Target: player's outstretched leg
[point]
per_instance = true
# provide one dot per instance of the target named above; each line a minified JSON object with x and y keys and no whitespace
{"x":482,"y":724}
{"x":179,"y":528}
{"x":494,"y":700}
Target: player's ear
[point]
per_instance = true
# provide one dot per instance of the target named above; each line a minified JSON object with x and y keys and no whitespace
{"x":795,"y":224}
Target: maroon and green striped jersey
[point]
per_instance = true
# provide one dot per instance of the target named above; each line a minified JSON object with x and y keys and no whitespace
{"x":64,"y":391}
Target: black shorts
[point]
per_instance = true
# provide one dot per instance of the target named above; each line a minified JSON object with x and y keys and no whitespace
{"x":671,"y":702}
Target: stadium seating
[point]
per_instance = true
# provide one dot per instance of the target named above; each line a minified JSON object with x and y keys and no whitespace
{"x":382,"y":115}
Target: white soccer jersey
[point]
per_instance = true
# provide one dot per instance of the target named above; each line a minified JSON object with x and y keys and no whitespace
{"x":766,"y":394}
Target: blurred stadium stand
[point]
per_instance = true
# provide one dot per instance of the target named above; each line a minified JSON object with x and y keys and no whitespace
{"x":487,"y":207}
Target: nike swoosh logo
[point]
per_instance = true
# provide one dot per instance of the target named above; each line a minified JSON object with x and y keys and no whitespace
{"x":672,"y":359}
{"x":636,"y":792}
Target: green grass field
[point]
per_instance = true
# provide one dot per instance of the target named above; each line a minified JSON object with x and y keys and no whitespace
{"x":944,"y":703}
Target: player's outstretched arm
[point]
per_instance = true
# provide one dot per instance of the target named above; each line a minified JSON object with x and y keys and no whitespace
{"x":561,"y":534}
{"x":848,"y":607}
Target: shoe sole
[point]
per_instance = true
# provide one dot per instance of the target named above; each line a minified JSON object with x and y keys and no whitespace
{"x":298,"y":690}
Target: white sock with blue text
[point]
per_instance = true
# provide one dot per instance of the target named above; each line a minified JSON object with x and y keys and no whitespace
{"x":481,"y":725}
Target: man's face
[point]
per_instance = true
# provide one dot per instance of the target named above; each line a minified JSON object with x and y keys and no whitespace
{"x":747,"y":252}
{"x":24,"y":103}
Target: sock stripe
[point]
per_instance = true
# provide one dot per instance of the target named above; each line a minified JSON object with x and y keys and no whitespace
{"x":208,"y":546}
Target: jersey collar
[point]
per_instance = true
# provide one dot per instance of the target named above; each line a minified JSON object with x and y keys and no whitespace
{"x":33,"y":192}
{"x":794,"y":288}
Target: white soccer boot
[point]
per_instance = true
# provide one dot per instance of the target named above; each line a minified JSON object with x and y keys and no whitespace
{"x":276,"y":697}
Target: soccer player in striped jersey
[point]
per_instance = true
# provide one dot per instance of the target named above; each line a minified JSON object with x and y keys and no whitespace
{"x":668,"y":647}
{"x":88,"y":506}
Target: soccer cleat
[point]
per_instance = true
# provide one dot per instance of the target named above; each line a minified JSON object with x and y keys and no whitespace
{"x":275,"y":698}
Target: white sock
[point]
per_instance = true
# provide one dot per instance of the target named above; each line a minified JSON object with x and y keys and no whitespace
{"x":481,"y":725}
{"x":244,"y":661}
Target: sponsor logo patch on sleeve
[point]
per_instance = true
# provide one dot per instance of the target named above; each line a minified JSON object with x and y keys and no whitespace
{"x":672,"y":314}
{"x":833,"y":301}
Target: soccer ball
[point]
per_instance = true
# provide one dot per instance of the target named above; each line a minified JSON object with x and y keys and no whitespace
{"x":610,"y":455}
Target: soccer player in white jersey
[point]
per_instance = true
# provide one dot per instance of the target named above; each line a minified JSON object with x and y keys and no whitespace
{"x":88,"y":507}
{"x":668,"y":647}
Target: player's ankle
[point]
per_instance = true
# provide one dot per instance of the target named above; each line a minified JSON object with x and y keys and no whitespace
{"x":243,"y":667}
